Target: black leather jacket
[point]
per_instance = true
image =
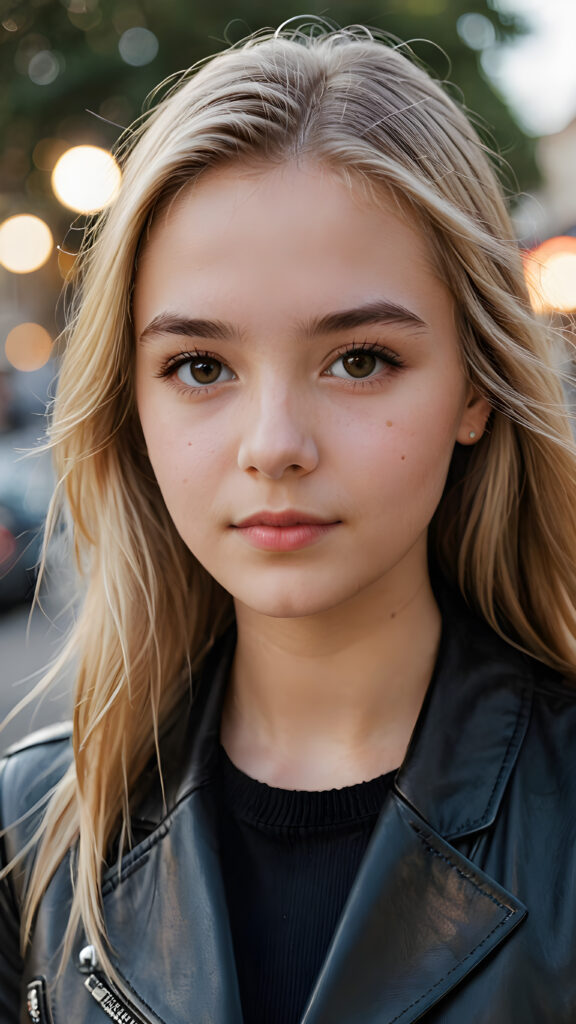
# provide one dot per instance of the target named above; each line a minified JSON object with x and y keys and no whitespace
{"x":463,"y":911}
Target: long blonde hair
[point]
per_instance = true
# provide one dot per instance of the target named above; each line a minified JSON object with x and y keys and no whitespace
{"x":505,"y":531}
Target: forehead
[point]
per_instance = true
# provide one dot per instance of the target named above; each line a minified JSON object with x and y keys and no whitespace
{"x":285,"y":240}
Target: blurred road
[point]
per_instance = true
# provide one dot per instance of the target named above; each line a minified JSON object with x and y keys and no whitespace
{"x":26,"y":648}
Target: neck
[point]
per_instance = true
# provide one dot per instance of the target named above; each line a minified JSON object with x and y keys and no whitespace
{"x":324,"y":701}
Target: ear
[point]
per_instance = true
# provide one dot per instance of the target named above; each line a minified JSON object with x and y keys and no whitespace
{"x":474,"y":418}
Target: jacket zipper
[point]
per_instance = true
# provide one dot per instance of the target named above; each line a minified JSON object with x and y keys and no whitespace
{"x":110,"y":1000}
{"x":36,"y":1002}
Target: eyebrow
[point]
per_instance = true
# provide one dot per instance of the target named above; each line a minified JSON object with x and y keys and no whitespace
{"x":382,"y":311}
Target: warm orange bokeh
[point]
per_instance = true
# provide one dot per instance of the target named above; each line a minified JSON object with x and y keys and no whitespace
{"x":28,"y":347}
{"x":550,"y":271}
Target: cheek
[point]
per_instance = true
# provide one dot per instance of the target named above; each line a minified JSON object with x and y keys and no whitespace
{"x":187,"y":463}
{"x":402,"y":459}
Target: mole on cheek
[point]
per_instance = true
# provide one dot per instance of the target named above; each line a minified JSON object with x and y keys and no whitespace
{"x":402,"y":457}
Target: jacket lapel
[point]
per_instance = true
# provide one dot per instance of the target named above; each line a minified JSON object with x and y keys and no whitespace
{"x":471,"y":726}
{"x":419,"y":918}
{"x":165,"y":909}
{"x":420,"y":915}
{"x":168,"y":924}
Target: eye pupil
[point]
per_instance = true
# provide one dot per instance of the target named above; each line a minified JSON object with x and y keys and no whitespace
{"x":205,"y":371}
{"x":360,"y":364}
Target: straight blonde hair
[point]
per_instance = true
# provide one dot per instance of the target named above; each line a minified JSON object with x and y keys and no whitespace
{"x":505,"y":530}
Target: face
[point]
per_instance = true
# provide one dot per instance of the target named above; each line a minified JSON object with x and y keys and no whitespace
{"x":299,"y":385}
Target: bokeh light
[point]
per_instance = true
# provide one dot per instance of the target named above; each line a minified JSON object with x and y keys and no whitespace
{"x":44,"y":67}
{"x":25,"y":243}
{"x":86,"y":178}
{"x":550,"y":271}
{"x":476,"y":30}
{"x":28,"y":347}
{"x":138,"y":46}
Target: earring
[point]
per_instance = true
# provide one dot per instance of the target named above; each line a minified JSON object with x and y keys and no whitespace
{"x":472,"y":434}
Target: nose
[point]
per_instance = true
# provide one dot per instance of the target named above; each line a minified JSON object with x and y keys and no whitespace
{"x":277,"y":438}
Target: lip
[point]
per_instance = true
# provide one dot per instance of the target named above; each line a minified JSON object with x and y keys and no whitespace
{"x":285,"y":531}
{"x":288,"y":517}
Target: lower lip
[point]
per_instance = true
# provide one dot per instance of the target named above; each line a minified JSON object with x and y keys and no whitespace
{"x":285,"y":538}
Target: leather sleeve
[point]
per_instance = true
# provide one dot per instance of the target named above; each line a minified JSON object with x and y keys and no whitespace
{"x":11,"y":965}
{"x":27,"y":774}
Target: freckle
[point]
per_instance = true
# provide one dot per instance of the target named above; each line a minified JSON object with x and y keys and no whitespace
{"x":402,"y":457}
{"x":388,"y":423}
{"x":392,"y":615}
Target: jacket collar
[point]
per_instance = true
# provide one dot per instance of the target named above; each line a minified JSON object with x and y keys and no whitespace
{"x":420,"y":915}
{"x":471,"y":725}
{"x":463,"y":747}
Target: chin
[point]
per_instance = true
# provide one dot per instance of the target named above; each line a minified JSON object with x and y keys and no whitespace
{"x":290,"y":603}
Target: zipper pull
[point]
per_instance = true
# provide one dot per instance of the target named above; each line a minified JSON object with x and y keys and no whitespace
{"x":110,"y":1000}
{"x":36,"y":1002}
{"x":87,"y":960}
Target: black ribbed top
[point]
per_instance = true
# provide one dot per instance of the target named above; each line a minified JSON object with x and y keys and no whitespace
{"x":289,"y":859}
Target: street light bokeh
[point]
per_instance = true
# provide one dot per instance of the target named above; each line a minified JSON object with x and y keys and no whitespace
{"x":550,"y":271}
{"x":28,"y":347}
{"x":25,"y":243}
{"x":86,"y":178}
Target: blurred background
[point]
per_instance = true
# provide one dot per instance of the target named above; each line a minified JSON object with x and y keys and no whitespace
{"x":75,"y":73}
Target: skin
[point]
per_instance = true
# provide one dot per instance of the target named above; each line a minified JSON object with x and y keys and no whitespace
{"x":336,"y":640}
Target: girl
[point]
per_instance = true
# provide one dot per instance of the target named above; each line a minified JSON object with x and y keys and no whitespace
{"x":322,"y":494}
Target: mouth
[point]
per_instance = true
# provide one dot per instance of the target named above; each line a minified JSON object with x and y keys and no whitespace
{"x":290,"y":517}
{"x":282,"y":532}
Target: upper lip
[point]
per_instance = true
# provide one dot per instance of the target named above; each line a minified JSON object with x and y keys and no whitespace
{"x":289,"y":517}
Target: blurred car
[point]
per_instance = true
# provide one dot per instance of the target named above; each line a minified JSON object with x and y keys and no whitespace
{"x":26,"y":485}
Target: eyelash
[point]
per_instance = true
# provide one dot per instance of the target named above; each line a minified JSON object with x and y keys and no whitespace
{"x":171,"y":366}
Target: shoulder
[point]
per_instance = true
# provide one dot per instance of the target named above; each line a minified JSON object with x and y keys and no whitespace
{"x":29,"y":771}
{"x":553,"y":689}
{"x":553,"y":719}
{"x":551,"y":698}
{"x":42,"y":739}
{"x":472,"y":646}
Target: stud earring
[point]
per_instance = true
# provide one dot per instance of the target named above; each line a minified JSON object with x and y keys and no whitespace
{"x":472,"y":434}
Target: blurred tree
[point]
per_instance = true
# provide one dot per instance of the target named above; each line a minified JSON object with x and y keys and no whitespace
{"x":62,"y":58}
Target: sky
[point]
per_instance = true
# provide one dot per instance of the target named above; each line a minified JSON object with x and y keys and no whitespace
{"x":537,"y":74}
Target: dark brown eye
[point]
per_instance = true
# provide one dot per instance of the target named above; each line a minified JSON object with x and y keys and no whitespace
{"x":359,"y":364}
{"x":205,"y":371}
{"x":199,"y":370}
